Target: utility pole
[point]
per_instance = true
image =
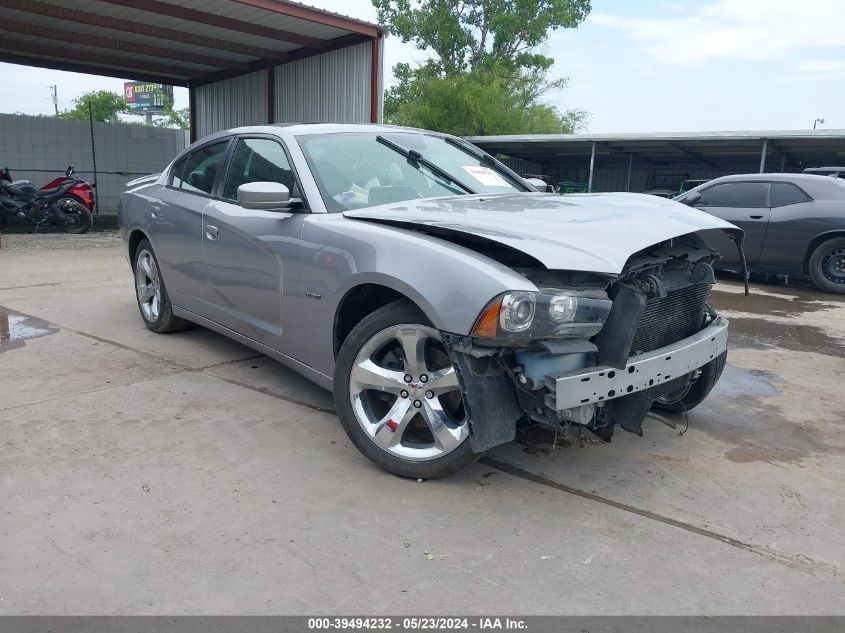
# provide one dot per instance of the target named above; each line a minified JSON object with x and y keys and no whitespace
{"x":54,"y":92}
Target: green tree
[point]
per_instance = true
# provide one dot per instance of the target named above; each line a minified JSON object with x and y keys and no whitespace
{"x":105,"y":106}
{"x":486,"y":75}
{"x":171,"y":117}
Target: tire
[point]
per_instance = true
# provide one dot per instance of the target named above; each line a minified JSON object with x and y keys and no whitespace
{"x":698,"y":390}
{"x":827,"y":266}
{"x":71,"y":207}
{"x":151,"y":293}
{"x":372,"y":391}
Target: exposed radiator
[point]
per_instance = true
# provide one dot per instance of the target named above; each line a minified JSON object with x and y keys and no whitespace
{"x":669,"y":319}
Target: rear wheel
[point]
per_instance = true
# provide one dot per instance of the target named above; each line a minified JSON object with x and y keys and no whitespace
{"x":694,"y":392}
{"x":398,"y":396}
{"x":151,"y":293}
{"x":827,"y":266}
{"x":79,"y":215}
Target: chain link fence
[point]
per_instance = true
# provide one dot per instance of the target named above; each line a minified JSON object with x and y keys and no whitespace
{"x":40,"y":148}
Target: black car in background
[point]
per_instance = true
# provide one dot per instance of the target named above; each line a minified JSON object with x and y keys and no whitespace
{"x":794,"y":223}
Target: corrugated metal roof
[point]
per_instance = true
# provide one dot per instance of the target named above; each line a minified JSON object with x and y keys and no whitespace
{"x":714,"y":149}
{"x":176,"y":41}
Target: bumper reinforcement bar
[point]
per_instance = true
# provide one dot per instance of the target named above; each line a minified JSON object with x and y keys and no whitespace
{"x":644,"y":371}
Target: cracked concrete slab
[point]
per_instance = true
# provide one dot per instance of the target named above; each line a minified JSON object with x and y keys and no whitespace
{"x":177,"y":474}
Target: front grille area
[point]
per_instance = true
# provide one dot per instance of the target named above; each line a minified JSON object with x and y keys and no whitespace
{"x":669,"y":319}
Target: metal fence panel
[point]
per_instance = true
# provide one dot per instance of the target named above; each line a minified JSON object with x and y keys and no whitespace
{"x":231,"y":103}
{"x":40,"y":149}
{"x":334,"y":86}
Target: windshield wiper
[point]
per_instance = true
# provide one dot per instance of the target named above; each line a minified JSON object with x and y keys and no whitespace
{"x":485,"y":159}
{"x":415,"y":156}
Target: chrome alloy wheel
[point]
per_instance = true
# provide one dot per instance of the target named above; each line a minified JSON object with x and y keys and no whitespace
{"x":148,"y":286}
{"x":406,"y":395}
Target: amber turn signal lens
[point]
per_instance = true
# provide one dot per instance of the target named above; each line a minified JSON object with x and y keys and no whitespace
{"x":487,"y":324}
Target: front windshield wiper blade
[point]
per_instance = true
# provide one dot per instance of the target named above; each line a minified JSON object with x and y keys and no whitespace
{"x":485,"y":159}
{"x":415,"y":156}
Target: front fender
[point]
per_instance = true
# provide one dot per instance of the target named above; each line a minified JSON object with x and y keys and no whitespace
{"x":451,"y":284}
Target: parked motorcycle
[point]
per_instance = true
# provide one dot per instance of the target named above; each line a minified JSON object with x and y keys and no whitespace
{"x":83,"y":190}
{"x":65,"y":204}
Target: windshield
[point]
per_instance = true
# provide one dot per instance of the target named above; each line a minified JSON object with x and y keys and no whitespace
{"x":362,"y":169}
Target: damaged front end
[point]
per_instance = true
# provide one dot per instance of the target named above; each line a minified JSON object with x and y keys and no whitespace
{"x":591,"y":350}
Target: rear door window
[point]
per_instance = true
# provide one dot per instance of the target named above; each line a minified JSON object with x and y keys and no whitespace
{"x":784,"y":193}
{"x":176,"y":172}
{"x":748,"y":195}
{"x":201,"y":167}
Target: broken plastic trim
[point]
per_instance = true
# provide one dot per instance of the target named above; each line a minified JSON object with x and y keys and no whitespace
{"x":741,"y":251}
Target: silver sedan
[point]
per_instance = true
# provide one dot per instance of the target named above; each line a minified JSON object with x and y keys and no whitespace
{"x":442,"y":299}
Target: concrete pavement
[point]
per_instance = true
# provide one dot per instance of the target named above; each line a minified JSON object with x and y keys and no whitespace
{"x":184,"y":474}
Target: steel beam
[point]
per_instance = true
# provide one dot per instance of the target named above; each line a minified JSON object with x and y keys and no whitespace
{"x":231,"y":24}
{"x":763,"y":155}
{"x":696,"y":155}
{"x":75,"y":67}
{"x":62,"y":35}
{"x":115,"y":24}
{"x":70,"y":55}
{"x":282,"y":58}
{"x":592,"y":167}
{"x":192,"y":112}
{"x":305,"y":13}
{"x":374,"y":77}
{"x":271,"y":94}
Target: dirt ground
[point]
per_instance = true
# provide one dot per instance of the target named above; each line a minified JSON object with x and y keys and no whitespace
{"x":185,"y":474}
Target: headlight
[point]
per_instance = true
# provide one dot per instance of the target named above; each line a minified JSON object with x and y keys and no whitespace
{"x":517,"y":311}
{"x":550,"y":313}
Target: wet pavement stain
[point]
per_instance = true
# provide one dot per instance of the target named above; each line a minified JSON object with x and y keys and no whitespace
{"x":793,"y":318}
{"x":735,"y":413}
{"x":763,"y":334}
{"x":789,"y":302}
{"x":17,"y":328}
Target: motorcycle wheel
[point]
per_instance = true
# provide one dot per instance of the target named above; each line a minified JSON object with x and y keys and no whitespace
{"x":79,"y":212}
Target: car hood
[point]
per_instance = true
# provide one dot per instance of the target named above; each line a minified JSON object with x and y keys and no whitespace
{"x":585,"y":232}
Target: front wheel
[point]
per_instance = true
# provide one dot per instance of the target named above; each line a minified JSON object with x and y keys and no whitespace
{"x":827,"y":266}
{"x":398,"y":396}
{"x":694,"y":393}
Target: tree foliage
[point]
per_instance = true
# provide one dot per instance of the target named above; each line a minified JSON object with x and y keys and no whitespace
{"x":105,"y":106}
{"x":486,"y":74}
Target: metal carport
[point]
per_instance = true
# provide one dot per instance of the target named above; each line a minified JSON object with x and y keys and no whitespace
{"x":629,"y":162}
{"x":243,"y":61}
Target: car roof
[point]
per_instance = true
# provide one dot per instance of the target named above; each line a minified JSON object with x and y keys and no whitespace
{"x":298,"y":129}
{"x":774,"y":177}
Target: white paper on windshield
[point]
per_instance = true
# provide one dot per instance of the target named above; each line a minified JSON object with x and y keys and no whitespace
{"x":485,"y":175}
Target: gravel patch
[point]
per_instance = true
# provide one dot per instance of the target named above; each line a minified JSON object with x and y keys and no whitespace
{"x":31,"y":242}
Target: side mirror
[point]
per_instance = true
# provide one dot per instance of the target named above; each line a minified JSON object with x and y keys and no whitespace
{"x":692,"y":198}
{"x":264,"y":195}
{"x":538,"y":183}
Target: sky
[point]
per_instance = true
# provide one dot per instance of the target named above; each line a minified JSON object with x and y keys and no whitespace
{"x":634,"y":66}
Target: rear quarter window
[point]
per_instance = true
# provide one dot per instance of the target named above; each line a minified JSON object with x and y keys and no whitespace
{"x":785,"y":193}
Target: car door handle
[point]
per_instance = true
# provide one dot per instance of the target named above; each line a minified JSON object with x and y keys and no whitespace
{"x":211,"y":232}
{"x":756,"y":217}
{"x":155,"y":210}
